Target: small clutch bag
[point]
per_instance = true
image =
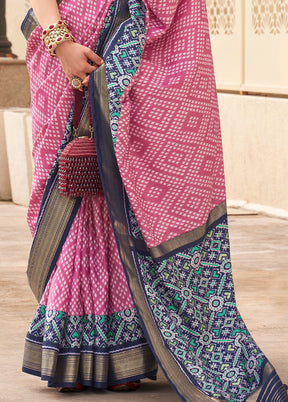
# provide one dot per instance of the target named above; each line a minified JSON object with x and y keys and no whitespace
{"x":79,"y":174}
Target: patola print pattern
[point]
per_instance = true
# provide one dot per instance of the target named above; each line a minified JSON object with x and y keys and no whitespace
{"x":172,"y":234}
{"x":190,"y":293}
{"x":172,"y":167}
{"x":193,"y":302}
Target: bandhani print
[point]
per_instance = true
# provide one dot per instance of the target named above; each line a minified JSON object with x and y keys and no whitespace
{"x":86,"y":317}
{"x":162,"y":171}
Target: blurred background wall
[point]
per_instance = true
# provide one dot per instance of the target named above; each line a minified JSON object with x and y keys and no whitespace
{"x":249,"y":43}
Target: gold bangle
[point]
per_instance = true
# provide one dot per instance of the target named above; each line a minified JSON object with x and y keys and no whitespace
{"x":54,"y":35}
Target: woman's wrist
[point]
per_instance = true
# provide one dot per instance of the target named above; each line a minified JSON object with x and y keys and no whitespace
{"x":62,"y":47}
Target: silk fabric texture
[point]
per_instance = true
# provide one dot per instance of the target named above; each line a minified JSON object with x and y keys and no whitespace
{"x":169,"y":155}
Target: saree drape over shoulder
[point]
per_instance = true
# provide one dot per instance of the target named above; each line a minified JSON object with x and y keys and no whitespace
{"x":157,"y":133}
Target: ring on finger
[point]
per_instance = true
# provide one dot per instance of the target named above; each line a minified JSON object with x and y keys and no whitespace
{"x":76,"y":82}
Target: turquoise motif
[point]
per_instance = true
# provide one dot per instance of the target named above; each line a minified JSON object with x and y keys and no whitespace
{"x":193,"y":303}
{"x":190,"y":294}
{"x":123,"y":60}
{"x":99,"y":333}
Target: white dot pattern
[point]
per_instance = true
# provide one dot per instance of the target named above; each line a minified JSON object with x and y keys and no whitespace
{"x":89,"y":277}
{"x":169,"y":148}
{"x":51,"y":93}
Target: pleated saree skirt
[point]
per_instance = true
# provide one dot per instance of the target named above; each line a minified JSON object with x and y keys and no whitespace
{"x":86,"y":328}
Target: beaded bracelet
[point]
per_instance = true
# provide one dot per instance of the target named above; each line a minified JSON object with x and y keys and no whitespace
{"x":54,"y":35}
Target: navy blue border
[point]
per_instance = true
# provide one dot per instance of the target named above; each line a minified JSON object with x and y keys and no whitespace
{"x":86,"y":349}
{"x":115,"y":196}
{"x":22,"y":27}
{"x":63,"y":239}
{"x":184,"y":246}
{"x":98,"y":385}
{"x":273,"y":390}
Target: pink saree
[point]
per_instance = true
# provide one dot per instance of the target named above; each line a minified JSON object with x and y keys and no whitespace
{"x":86,"y":327}
{"x":157,"y":133}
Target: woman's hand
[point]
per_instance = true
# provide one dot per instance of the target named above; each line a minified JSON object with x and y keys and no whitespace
{"x":74,"y":59}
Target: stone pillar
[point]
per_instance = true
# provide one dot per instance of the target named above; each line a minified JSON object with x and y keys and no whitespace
{"x":5,"y":45}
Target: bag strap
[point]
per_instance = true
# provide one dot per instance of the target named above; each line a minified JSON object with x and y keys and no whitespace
{"x":78,"y":103}
{"x":78,"y":99}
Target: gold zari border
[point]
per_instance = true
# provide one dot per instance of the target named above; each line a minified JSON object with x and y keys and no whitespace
{"x":90,"y":367}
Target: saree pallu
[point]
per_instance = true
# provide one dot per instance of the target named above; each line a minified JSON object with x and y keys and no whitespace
{"x":157,"y":133}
